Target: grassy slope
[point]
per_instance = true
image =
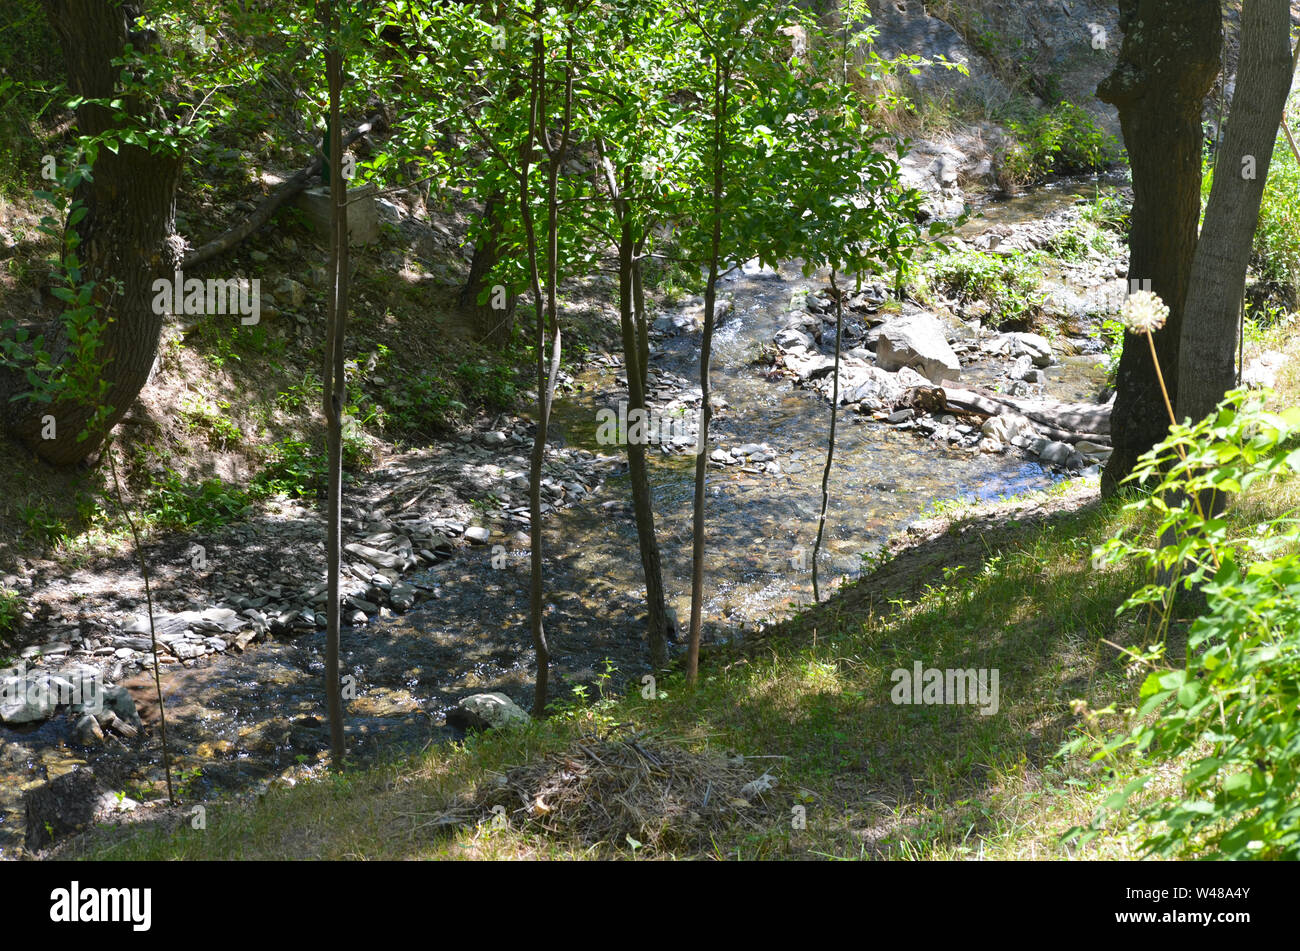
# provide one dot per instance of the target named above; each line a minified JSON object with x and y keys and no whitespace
{"x":1008,"y":586}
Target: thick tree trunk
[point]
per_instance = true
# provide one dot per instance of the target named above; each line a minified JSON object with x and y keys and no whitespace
{"x":1168,"y":61}
{"x":492,"y":325}
{"x":1207,"y":361}
{"x":127,"y":236}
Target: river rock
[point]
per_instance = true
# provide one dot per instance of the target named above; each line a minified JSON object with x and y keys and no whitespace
{"x":809,"y":366}
{"x":917,"y":341}
{"x":871,"y":386}
{"x":1057,"y":454}
{"x":31,"y":697}
{"x":487,"y":711}
{"x":1261,"y":371}
{"x":1035,"y":346}
{"x":402,"y":596}
{"x":380,"y":559}
{"x":791,"y":339}
{"x":1005,"y":429}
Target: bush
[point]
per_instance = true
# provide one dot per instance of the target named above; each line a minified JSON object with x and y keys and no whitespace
{"x":11,"y":608}
{"x":1227,"y":715}
{"x":1007,"y":283}
{"x":1063,"y":141}
{"x":1275,"y":254}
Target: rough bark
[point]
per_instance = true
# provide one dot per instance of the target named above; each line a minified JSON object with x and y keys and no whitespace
{"x":631,"y":311}
{"x":638,"y":469}
{"x":1207,"y":360}
{"x":547,"y":315}
{"x":1166,"y":66}
{"x":127,"y":237}
{"x":491,"y":326}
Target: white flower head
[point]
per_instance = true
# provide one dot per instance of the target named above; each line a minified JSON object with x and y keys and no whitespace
{"x":1144,"y":312}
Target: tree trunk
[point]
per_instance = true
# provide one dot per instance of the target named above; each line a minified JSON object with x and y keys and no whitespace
{"x":335,"y":393}
{"x":1167,"y":64}
{"x":636,"y":348}
{"x":127,"y":236}
{"x":1207,"y":361}
{"x":638,"y":470}
{"x":720,"y":93}
{"x":492,"y":325}
{"x":830,"y":442}
{"x":642,"y":319}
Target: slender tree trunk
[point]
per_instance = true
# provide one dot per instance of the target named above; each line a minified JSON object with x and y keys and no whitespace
{"x":830,"y":444}
{"x":1207,"y":360}
{"x":642,"y":320}
{"x":127,"y":236}
{"x":635,"y":353}
{"x":638,"y":468}
{"x":1167,"y":64}
{"x":536,"y":626}
{"x":546,"y":307}
{"x":720,"y":93}
{"x":335,"y":390}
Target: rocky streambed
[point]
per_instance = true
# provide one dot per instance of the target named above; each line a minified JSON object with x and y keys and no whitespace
{"x":436,"y":558}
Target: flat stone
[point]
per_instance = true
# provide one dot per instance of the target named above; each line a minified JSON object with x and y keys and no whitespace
{"x":380,"y":559}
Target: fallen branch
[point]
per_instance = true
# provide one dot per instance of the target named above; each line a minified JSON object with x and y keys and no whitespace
{"x":272,"y":202}
{"x":1066,"y":422}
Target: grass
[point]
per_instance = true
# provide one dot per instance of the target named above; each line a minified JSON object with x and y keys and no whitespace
{"x":873,"y":778}
{"x":1008,"y":586}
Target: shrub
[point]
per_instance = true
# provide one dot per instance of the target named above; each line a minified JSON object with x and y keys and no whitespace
{"x":1275,"y":254}
{"x":1066,"y":140}
{"x":1227,"y":715}
{"x":1008,"y":284}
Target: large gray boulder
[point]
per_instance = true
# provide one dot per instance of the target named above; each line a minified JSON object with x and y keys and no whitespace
{"x":917,"y":341}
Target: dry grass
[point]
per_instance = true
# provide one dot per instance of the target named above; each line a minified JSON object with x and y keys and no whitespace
{"x":620,"y":790}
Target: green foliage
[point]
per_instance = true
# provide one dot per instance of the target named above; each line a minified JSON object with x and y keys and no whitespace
{"x":491,"y":384}
{"x":294,"y":468}
{"x":11,"y":608}
{"x":423,"y":405}
{"x":1096,"y":231}
{"x":1275,"y":253}
{"x":1113,"y":332}
{"x":32,"y":65}
{"x":1007,"y":283}
{"x":209,"y":419}
{"x":76,"y":375}
{"x":1066,"y":140}
{"x":174,"y":504}
{"x":1227,"y":716}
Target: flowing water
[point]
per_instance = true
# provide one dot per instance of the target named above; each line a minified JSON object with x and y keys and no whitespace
{"x":242,"y":718}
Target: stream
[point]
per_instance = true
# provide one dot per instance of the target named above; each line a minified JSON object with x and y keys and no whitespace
{"x":238,"y":721}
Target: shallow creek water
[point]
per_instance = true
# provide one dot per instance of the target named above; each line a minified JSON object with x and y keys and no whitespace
{"x":242,"y":718}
